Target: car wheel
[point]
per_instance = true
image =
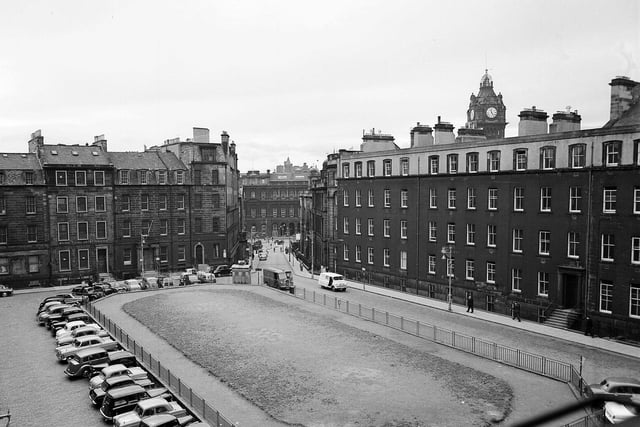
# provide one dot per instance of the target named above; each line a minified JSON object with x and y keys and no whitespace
{"x":4,"y":294}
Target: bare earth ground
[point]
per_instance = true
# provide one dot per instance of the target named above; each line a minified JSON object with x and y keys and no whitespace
{"x":308,"y":369}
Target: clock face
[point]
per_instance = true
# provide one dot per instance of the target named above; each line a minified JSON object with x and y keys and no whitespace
{"x":492,"y":112}
{"x":472,"y":114}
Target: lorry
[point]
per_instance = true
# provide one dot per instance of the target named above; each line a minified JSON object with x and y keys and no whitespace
{"x":277,"y":278}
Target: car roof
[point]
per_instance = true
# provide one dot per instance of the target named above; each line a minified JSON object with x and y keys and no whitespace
{"x":124,"y":391}
{"x":154,"y":401}
{"x":157,"y":419}
{"x":622,"y":380}
{"x":88,"y":351}
{"x":87,"y":338}
{"x":113,"y":368}
{"x":120,"y":354}
{"x":79,"y":315}
{"x":329,"y":274}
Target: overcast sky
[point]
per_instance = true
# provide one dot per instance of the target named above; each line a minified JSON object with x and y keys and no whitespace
{"x":295,"y":78}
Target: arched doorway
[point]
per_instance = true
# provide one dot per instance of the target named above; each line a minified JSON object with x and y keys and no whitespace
{"x":199,"y":253}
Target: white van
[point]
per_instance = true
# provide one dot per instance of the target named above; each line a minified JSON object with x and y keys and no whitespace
{"x":333,"y":281}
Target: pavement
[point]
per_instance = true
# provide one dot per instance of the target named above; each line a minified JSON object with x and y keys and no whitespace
{"x":461,"y":310}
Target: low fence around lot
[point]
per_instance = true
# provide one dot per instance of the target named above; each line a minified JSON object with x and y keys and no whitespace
{"x":203,"y":409}
{"x":535,"y":363}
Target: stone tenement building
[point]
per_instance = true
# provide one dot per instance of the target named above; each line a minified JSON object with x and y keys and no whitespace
{"x":550,"y":218}
{"x":272,"y":200}
{"x":71,"y":212}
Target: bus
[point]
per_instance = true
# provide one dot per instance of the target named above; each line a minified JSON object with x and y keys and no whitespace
{"x":277,"y":278}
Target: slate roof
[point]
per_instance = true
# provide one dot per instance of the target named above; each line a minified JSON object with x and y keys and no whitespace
{"x":629,"y":117}
{"x":151,"y":160}
{"x":73,"y":155}
{"x":18,"y":161}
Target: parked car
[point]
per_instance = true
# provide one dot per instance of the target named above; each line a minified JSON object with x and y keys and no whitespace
{"x":87,"y":291}
{"x":616,"y":412}
{"x":122,"y":357}
{"x":5,"y":291}
{"x":149,"y":407}
{"x":124,"y":399}
{"x":332,"y":281}
{"x":69,"y":327}
{"x":262,"y":256}
{"x":618,"y":386}
{"x":96,"y":395}
{"x":83,"y":331}
{"x":222,"y":270}
{"x":136,"y":373}
{"x":51,"y":310}
{"x":90,"y":341}
{"x":60,"y":319}
{"x":65,"y":298}
{"x":161,"y":420}
{"x":85,"y":362}
{"x":106,"y":288}
{"x":61,"y":323}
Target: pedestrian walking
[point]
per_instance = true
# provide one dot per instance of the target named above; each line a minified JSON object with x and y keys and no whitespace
{"x":470,"y":302}
{"x":515,"y":310}
{"x":588,"y":330}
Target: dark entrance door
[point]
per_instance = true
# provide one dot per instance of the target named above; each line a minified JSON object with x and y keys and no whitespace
{"x":101,"y":254}
{"x":571,"y":290}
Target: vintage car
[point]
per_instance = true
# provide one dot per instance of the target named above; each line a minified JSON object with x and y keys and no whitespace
{"x":45,"y":306}
{"x":222,"y":270}
{"x":5,"y":291}
{"x":59,"y":319}
{"x":149,"y":407}
{"x":122,"y":357}
{"x":71,"y":318}
{"x":262,"y":255}
{"x":64,"y":298}
{"x":91,"y":341}
{"x":136,"y":373}
{"x":92,"y":329}
{"x":85,"y":362}
{"x":162,"y":420}
{"x":618,"y":386}
{"x":50,"y":311}
{"x":124,"y":399}
{"x":96,"y":395}
{"x":618,"y":412}
{"x":68,"y":328}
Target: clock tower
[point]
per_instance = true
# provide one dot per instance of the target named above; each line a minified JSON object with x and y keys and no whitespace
{"x":487,"y":111}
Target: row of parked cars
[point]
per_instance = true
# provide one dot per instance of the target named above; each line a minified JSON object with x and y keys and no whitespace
{"x":125,"y":393}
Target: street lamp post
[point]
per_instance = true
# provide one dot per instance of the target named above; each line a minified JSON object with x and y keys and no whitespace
{"x":364,"y":272}
{"x":446,"y":254}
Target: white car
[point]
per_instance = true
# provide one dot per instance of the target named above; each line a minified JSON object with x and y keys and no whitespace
{"x":69,"y":327}
{"x":135,"y":373}
{"x":90,"y":341}
{"x":92,"y":329}
{"x":616,"y":412}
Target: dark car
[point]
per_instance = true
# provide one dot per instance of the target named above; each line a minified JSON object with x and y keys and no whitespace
{"x":90,"y":292}
{"x":222,"y":270}
{"x":85,"y":362}
{"x":257,"y":245}
{"x":122,"y":357}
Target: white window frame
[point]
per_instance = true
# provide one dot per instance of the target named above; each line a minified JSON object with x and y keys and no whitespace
{"x":345,"y":197}
{"x":545,"y":199}
{"x":404,"y":198}
{"x":471,"y":234}
{"x":83,"y":254}
{"x":492,"y":199}
{"x":451,"y":232}
{"x":124,"y":177}
{"x":66,"y":204}
{"x":386,"y":227}
{"x":64,"y":224}
{"x":469,"y":269}
{"x":387,"y":170}
{"x":492,"y":235}
{"x":370,"y":198}
{"x":635,"y":250}
{"x":520,"y":159}
{"x":370,"y":227}
{"x":404,"y":166}
{"x":345,"y":252}
{"x":634,"y":301}
{"x":370,"y":258}
{"x":473,"y":161}
{"x":81,"y":178}
{"x":431,"y":264}
{"x":60,"y":266}
{"x":516,"y":280}
{"x":345,"y":225}
{"x":358,"y":226}
{"x":609,"y":200}
{"x":98,"y":182}
{"x":543,"y":283}
{"x":573,"y":244}
{"x":98,"y":229}
{"x":544,"y":242}
{"x":491,"y":272}
{"x":493,"y":160}
{"x":403,"y":260}
{"x":387,"y":198}
{"x":605,"y":297}
{"x":636,"y":199}
{"x":358,"y":254}
{"x":433,"y":231}
{"x":518,"y":199}
{"x":433,"y":198}
{"x":452,"y":163}
{"x":85,"y":224}
{"x":59,"y":181}
{"x":472,"y":198}
{"x":607,"y":247}
{"x":575,"y":197}
{"x":517,"y":238}
{"x":358,"y":198}
{"x":403,"y":229}
{"x":451,"y":198}
{"x":386,"y":255}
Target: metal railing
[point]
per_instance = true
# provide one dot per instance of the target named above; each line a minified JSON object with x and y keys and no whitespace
{"x":203,"y":409}
{"x":517,"y":358}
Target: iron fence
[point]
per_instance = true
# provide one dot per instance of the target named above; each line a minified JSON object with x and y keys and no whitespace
{"x":517,"y":358}
{"x":203,"y":409}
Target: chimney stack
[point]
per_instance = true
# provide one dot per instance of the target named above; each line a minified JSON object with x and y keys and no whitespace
{"x":565,"y":121}
{"x":443,"y":133}
{"x":624,"y":93}
{"x":201,"y":135}
{"x":224,"y":138}
{"x":100,"y":141}
{"x":421,"y":136}
{"x":36,"y":142}
{"x":532,"y":122}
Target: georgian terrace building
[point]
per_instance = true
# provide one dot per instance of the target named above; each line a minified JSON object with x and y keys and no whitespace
{"x":73,"y":212}
{"x":550,"y":218}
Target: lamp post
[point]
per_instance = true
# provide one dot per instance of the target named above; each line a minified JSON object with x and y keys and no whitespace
{"x":364,"y":272}
{"x":446,"y":254}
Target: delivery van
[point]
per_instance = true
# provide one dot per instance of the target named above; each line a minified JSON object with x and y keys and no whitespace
{"x":333,"y":281}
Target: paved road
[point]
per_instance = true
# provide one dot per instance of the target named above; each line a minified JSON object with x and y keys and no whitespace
{"x":32,"y":383}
